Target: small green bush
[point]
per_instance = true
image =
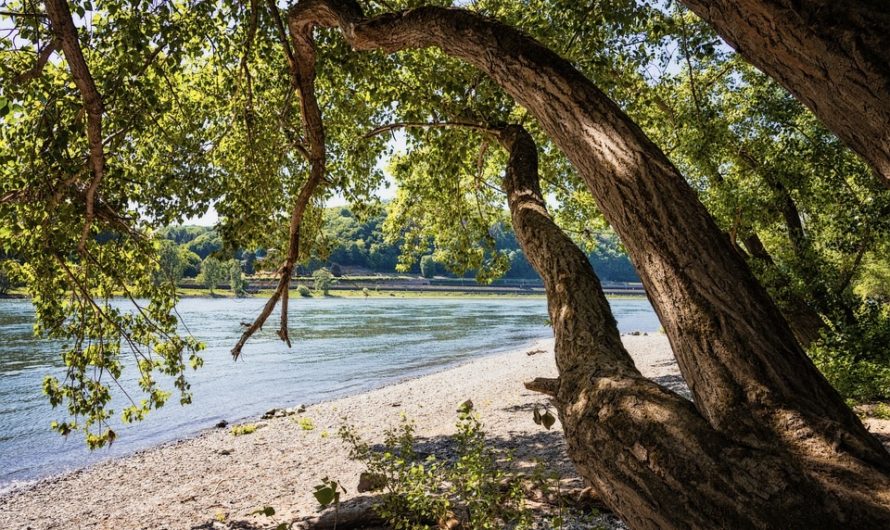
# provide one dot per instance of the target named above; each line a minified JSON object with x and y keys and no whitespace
{"x":418,"y":493}
{"x":304,"y":291}
{"x":881,"y":411}
{"x":245,"y":428}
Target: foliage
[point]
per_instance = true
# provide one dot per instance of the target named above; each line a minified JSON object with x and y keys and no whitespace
{"x":323,"y":280}
{"x":244,"y":428}
{"x":472,"y":488}
{"x":306,"y":423}
{"x":874,"y":280}
{"x":236,"y":279}
{"x":855,"y":359}
{"x":545,"y":418}
{"x":8,"y":269}
{"x":304,"y":291}
{"x":427,"y":266}
{"x":881,"y":411}
{"x":248,"y":260}
{"x":172,"y":265}
{"x":328,"y":492}
{"x":213,"y":272}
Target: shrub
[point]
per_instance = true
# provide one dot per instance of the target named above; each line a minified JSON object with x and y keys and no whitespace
{"x":212,"y":273}
{"x":470,"y":489}
{"x":5,"y":280}
{"x":323,"y":280}
{"x":236,"y":279}
{"x":427,"y":266}
{"x":855,"y":359}
{"x":304,"y":291}
{"x":246,"y":428}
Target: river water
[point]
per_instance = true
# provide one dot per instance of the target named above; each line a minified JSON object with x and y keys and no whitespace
{"x":340,"y":346}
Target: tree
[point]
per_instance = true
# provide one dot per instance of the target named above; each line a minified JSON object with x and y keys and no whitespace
{"x":249,"y":259}
{"x":5,"y":278}
{"x":213,"y":272}
{"x":427,"y":266}
{"x":170,"y":261}
{"x":205,"y":245}
{"x":701,"y":302}
{"x":191,"y":263}
{"x":762,"y":415}
{"x":323,"y":280}
{"x":833,"y":56}
{"x":236,"y":280}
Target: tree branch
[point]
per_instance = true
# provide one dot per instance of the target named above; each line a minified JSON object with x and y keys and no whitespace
{"x":34,"y":72}
{"x":66,"y":34}
{"x":303,"y":78}
{"x":432,"y":125}
{"x":544,"y":385}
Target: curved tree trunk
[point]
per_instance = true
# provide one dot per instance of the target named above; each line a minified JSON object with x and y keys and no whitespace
{"x":833,"y":56}
{"x":750,"y":378}
{"x":648,"y":452}
{"x":752,"y":383}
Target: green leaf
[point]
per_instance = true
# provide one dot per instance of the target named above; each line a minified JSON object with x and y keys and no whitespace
{"x":268,"y":511}
{"x":325,"y":495}
{"x":548,"y":420}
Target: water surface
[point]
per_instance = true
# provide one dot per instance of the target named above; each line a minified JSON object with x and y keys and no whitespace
{"x":340,"y":347}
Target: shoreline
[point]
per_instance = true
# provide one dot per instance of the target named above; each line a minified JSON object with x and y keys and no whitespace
{"x":356,"y":293}
{"x":202,"y":478}
{"x":15,"y":486}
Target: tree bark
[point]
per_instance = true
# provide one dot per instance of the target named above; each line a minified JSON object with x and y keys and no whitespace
{"x":833,"y":56}
{"x":651,"y":456}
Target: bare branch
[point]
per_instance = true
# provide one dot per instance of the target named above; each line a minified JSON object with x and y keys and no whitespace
{"x":303,"y":79}
{"x":15,"y":14}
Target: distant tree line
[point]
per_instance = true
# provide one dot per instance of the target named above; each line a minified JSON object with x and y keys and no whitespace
{"x":357,"y":244}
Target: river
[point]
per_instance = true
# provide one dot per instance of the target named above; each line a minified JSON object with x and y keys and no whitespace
{"x":340,"y":346}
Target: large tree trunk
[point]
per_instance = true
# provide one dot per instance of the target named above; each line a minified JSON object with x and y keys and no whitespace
{"x":750,"y":378}
{"x":648,"y":452}
{"x":751,"y":381}
{"x":833,"y":56}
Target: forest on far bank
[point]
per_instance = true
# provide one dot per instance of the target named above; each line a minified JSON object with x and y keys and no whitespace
{"x":363,"y":246}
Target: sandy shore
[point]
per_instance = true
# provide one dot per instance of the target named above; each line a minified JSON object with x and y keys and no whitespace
{"x":215,"y":476}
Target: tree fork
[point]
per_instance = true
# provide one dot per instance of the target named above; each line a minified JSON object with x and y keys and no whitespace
{"x":650,"y":455}
{"x":750,"y":378}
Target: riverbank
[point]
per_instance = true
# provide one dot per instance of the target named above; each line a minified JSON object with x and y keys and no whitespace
{"x":217,"y":479}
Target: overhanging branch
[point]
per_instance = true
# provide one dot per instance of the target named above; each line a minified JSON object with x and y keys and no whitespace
{"x":65,"y":33}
